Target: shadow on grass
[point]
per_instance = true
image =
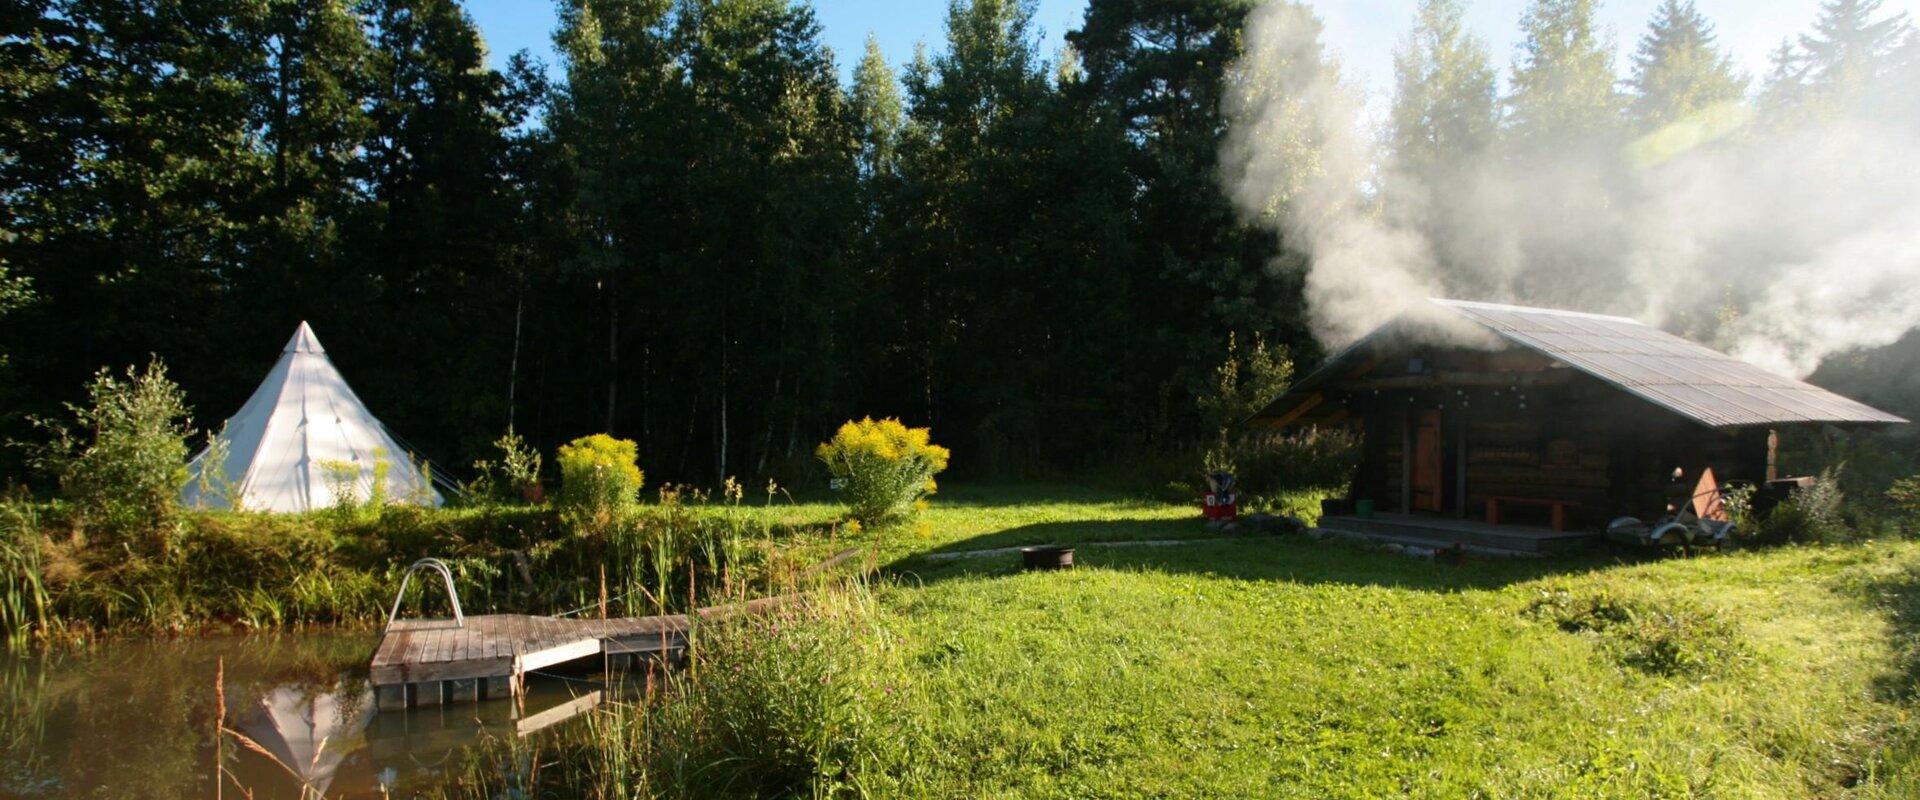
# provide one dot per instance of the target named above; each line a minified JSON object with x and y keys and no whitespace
{"x":1291,"y":558}
{"x":1014,"y":495}
{"x":1080,"y":532}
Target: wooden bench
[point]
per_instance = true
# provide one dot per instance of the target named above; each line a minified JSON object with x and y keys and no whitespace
{"x":1558,"y":508}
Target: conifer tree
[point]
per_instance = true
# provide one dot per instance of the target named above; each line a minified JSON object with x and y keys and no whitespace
{"x":1678,"y":71}
{"x":1849,"y":48}
{"x":1444,"y":104}
{"x":876,"y":102}
{"x":1563,"y":81}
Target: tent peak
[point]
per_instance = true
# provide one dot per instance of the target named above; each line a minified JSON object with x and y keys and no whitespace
{"x":303,"y":341}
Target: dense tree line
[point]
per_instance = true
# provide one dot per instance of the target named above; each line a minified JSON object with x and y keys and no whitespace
{"x":694,"y":235}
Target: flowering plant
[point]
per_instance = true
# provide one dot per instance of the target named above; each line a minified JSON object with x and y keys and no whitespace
{"x":885,"y":467}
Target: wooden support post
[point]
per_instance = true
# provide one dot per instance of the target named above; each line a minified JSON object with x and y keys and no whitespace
{"x":498,"y":688}
{"x":1460,"y":468}
{"x":1773,"y":454}
{"x":390,"y":697}
{"x":1406,"y":462}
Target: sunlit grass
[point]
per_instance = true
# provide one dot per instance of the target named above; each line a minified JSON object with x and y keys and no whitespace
{"x":1283,"y":667}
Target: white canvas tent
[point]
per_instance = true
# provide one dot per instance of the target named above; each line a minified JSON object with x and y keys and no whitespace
{"x":295,"y":439}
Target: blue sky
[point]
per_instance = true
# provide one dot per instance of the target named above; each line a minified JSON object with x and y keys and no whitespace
{"x":1361,"y":32}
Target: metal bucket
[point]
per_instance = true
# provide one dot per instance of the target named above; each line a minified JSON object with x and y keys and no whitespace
{"x":1047,"y":557}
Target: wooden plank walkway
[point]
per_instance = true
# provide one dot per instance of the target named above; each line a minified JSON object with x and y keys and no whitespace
{"x":433,"y":661}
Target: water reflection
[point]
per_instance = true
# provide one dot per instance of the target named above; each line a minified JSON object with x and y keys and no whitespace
{"x":136,"y":719}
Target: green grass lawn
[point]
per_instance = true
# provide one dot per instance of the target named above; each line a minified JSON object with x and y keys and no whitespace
{"x":1288,"y":667}
{"x":1284,"y":667}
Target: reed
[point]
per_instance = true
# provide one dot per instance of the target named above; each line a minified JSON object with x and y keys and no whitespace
{"x":25,"y":606}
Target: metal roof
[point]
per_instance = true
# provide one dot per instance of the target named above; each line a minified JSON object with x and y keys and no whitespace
{"x":1689,"y":379}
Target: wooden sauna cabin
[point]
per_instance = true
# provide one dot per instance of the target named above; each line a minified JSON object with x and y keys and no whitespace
{"x":1528,"y":428}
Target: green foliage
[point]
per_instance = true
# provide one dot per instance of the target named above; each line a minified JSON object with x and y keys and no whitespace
{"x":1905,"y":494}
{"x":875,"y":101}
{"x":1678,"y":72}
{"x":1563,"y":79}
{"x":1444,"y":103}
{"x":25,"y":606}
{"x":600,"y":480}
{"x":886,"y":468}
{"x":1240,"y":389}
{"x":1272,"y":464}
{"x":14,"y":293}
{"x":1809,"y":515}
{"x":122,"y":462}
{"x":514,"y":478}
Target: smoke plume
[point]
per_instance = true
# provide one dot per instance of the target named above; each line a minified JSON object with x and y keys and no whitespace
{"x":1783,"y":237}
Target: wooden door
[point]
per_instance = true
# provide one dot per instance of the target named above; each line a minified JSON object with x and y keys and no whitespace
{"x":1426,"y":479}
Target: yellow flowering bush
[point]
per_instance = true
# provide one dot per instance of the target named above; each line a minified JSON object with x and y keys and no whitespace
{"x":599,"y":478}
{"x":885,"y":468}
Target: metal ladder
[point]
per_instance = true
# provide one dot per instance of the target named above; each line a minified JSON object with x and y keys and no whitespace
{"x":446,"y":577}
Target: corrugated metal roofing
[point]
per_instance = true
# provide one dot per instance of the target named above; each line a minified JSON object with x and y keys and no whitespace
{"x":1689,"y":379}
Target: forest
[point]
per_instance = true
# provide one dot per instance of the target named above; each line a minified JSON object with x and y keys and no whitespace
{"x":692,"y":233}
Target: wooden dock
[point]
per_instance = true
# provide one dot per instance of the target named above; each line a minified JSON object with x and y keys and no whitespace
{"x":423,"y":662}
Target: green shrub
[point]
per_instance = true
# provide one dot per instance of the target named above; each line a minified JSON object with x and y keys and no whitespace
{"x":885,"y":468}
{"x":1905,"y":494}
{"x":514,"y":478}
{"x":123,"y":461}
{"x":600,"y":480}
{"x":1270,"y":464}
{"x":1811,"y":514}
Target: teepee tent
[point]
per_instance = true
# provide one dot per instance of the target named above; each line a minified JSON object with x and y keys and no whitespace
{"x":301,"y":437}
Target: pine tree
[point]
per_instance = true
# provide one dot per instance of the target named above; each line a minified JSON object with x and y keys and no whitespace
{"x":439,"y":224}
{"x":1444,"y":103}
{"x":1849,"y":48}
{"x":1198,"y":272}
{"x":1677,"y":70}
{"x":876,"y":102}
{"x":1563,"y":82}
{"x":1784,"y":87}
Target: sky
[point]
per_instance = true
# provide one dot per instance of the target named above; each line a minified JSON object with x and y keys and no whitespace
{"x":1362,"y":33}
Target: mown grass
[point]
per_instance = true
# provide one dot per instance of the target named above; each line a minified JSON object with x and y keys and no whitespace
{"x":1282,"y":667}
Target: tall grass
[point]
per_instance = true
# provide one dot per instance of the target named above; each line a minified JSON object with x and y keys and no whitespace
{"x":25,"y":606}
{"x":791,"y":704}
{"x":259,"y":571}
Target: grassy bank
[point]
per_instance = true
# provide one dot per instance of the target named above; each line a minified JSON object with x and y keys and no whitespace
{"x":1284,"y":667}
{"x":223,"y":570}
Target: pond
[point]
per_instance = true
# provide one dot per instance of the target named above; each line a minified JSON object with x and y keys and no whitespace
{"x":136,"y":719}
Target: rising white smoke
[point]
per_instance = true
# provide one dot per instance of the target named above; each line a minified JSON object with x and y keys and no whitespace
{"x":1785,"y":243}
{"x":1296,"y":158}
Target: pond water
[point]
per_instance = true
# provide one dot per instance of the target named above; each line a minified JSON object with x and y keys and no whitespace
{"x":136,"y":719}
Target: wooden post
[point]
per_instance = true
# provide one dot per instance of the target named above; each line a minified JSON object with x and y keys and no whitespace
{"x":1460,"y":468}
{"x":1406,"y":461}
{"x":603,"y":591}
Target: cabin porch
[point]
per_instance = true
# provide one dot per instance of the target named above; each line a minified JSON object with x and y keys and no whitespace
{"x":1425,"y":530}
